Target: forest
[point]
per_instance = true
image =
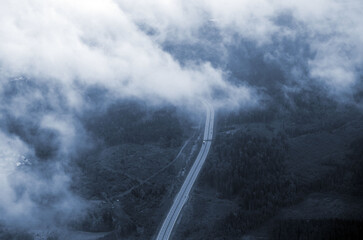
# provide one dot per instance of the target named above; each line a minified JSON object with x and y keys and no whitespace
{"x":324,"y":229}
{"x":268,"y":161}
{"x":250,"y":169}
{"x":132,"y":122}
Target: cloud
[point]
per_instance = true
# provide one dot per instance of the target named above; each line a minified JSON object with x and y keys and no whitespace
{"x":52,"y":52}
{"x":95,"y":43}
{"x":332,"y":28}
{"x":118,"y":44}
{"x":27,"y":198}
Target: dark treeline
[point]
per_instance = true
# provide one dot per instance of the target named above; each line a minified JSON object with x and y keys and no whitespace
{"x":355,"y":157}
{"x":317,"y":229}
{"x":132,"y":122}
{"x":132,"y":142}
{"x":250,"y":169}
{"x":14,"y":234}
{"x":241,"y":160}
{"x":292,"y":112}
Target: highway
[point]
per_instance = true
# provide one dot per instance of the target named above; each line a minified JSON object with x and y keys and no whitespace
{"x":182,"y":196}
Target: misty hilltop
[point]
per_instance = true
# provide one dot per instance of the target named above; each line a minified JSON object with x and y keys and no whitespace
{"x":181,"y":119}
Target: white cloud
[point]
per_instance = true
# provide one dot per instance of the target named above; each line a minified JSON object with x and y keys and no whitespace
{"x":100,"y":42}
{"x":95,"y":43}
{"x":20,"y":188}
{"x":333,"y":28}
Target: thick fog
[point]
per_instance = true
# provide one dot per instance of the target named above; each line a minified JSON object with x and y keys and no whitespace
{"x":54,"y":53}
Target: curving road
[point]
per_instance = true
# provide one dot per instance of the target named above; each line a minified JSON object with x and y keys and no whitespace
{"x":183,"y":194}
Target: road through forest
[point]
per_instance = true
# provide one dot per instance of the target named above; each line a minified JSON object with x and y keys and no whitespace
{"x":182,"y":196}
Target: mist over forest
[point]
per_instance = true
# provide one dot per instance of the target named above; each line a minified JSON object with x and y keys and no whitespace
{"x":102,"y":115}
